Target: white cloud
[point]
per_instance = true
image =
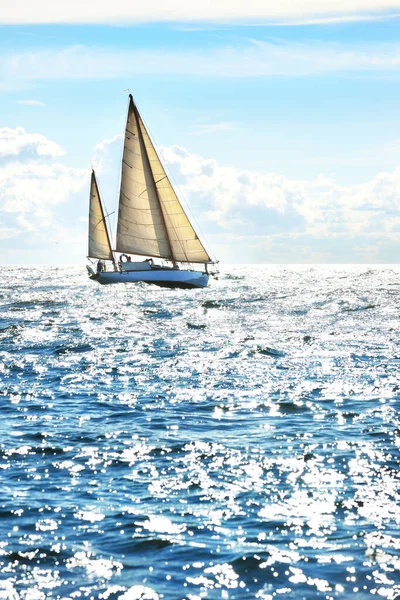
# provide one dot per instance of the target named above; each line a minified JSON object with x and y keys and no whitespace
{"x":248,"y":216}
{"x":31,"y":102}
{"x":33,"y":186}
{"x":23,"y":223}
{"x":101,"y":152}
{"x":337,"y":19}
{"x":14,"y":142}
{"x":254,"y":59}
{"x":126,"y":11}
{"x":7,"y":233}
{"x":269,"y":204}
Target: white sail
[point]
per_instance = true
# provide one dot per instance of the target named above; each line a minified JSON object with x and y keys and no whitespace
{"x":99,"y":242}
{"x":140,"y":228}
{"x":183,"y":239}
{"x":151,"y":220}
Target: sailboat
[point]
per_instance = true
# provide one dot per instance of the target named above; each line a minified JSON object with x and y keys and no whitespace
{"x":151,"y":223}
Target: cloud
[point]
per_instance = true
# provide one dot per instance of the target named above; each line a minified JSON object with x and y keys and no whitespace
{"x":126,"y":11}
{"x":43,"y":202}
{"x":31,"y":102}
{"x":248,"y":216}
{"x":101,"y":158}
{"x":263,"y":204}
{"x":14,"y":142}
{"x":7,"y":233}
{"x":255,"y":58}
{"x":338,"y":19}
{"x":33,"y":186}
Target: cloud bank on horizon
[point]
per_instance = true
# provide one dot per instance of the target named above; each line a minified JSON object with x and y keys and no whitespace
{"x":126,"y":11}
{"x":260,"y":212}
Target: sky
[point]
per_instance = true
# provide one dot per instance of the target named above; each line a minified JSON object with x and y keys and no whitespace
{"x":279,"y":123}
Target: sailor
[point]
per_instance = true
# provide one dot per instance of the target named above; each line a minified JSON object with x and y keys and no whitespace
{"x":100,"y":266}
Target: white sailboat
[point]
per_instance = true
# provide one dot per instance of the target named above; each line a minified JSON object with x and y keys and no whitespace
{"x":151,"y":223}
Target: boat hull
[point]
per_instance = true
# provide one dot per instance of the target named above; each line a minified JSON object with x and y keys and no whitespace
{"x":172,"y":278}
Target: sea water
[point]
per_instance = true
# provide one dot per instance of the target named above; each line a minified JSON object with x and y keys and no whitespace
{"x":237,"y":442}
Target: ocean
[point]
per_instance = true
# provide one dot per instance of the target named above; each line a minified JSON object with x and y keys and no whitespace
{"x":236,"y":442}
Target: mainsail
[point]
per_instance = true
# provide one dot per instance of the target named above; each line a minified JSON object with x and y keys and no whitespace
{"x":99,"y":241}
{"x":151,"y":220}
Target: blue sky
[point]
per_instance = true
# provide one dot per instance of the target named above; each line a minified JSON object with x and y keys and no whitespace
{"x":283,"y":138}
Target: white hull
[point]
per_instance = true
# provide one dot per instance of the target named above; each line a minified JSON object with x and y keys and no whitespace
{"x":160,"y":277}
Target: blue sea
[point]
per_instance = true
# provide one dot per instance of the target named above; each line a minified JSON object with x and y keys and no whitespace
{"x":237,"y":442}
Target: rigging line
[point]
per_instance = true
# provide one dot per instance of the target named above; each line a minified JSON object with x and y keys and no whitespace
{"x":171,"y":176}
{"x":97,"y":224}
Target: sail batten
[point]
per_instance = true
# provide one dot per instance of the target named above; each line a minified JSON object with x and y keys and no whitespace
{"x":151,"y":220}
{"x":99,"y":241}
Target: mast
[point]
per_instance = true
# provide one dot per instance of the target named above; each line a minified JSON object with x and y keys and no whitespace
{"x":104,"y":218}
{"x":138,"y":117}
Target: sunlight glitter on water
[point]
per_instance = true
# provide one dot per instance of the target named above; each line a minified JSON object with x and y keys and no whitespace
{"x":236,"y":442}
